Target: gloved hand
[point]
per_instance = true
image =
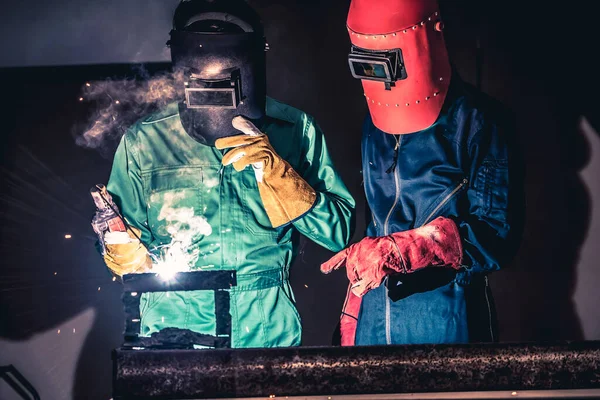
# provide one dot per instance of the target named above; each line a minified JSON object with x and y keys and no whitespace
{"x":285,"y":195}
{"x":125,"y":254}
{"x":370,"y":260}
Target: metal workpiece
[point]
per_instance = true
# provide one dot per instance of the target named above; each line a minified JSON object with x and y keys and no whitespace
{"x":334,"y":371}
{"x":134,"y":285}
{"x":193,"y":280}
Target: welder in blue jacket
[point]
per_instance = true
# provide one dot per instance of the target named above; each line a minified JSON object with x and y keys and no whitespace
{"x":441,"y":180}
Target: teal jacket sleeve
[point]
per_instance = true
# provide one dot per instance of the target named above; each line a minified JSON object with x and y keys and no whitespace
{"x":330,"y":222}
{"x":125,"y":186}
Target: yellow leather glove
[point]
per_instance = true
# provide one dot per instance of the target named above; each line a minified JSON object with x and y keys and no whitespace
{"x":125,"y":254}
{"x":285,"y":195}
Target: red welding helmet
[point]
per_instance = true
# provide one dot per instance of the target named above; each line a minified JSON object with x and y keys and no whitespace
{"x":399,"y":53}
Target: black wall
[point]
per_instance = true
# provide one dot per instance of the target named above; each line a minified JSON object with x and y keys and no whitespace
{"x":536,"y":59}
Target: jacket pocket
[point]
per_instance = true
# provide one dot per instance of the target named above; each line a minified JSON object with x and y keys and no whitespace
{"x":193,"y":310}
{"x":175,"y":204}
{"x":492,"y":188}
{"x":148,"y":302}
{"x":432,"y":317}
{"x":256,"y":219}
{"x":265,"y":318}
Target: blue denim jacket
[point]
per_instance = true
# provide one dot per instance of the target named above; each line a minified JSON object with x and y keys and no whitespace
{"x":465,"y":167}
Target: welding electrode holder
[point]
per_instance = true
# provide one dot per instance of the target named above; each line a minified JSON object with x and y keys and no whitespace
{"x":104,"y":202}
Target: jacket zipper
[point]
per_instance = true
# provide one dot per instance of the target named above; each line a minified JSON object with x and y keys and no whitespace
{"x":445,"y":200}
{"x":487,"y":299}
{"x":487,"y":285}
{"x":397,"y":187}
{"x":464,"y":182}
{"x":388,"y":331}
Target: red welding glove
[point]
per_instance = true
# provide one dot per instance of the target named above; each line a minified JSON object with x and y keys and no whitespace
{"x":370,"y":260}
{"x":349,"y":318}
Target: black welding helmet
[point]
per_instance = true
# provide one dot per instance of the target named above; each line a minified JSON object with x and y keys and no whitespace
{"x":218,"y":55}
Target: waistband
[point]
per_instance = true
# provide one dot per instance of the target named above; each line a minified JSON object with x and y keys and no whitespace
{"x":403,"y":285}
{"x":261,"y":280}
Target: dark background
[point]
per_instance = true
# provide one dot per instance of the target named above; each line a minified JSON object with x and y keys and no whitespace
{"x":60,"y":312}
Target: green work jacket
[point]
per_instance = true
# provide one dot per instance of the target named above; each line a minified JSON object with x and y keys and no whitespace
{"x":175,"y":190}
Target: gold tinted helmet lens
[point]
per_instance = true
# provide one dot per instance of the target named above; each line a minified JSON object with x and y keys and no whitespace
{"x":204,"y":98}
{"x":385,"y":66}
{"x":369,"y":69}
{"x":214,"y":93}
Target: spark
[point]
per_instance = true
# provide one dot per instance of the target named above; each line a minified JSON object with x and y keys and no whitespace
{"x":87,"y":84}
{"x":56,"y":273}
{"x":306,"y":286}
{"x":81,"y":99}
{"x":68,"y":236}
{"x":513,"y":394}
{"x":134,"y":294}
{"x":162,"y":319}
{"x":165,"y":273}
{"x":98,"y":288}
{"x":247,"y":329}
{"x":73,"y":330}
{"x":114,"y":278}
{"x":174,"y":258}
{"x":58,"y":332}
{"x":117,"y":102}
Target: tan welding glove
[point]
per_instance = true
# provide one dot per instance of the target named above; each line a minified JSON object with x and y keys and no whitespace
{"x":125,"y":254}
{"x":285,"y":195}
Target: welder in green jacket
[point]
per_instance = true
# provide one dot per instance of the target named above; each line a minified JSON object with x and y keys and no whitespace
{"x":225,"y":180}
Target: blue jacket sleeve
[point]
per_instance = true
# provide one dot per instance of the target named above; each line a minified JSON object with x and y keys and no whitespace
{"x":492,"y":228}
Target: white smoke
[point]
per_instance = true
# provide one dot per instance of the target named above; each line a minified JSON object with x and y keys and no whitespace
{"x":119,"y":103}
{"x":185,"y":228}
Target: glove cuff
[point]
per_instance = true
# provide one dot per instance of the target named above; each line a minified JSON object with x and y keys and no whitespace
{"x":286,"y":195}
{"x":435,"y":244}
{"x":401,"y":264}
